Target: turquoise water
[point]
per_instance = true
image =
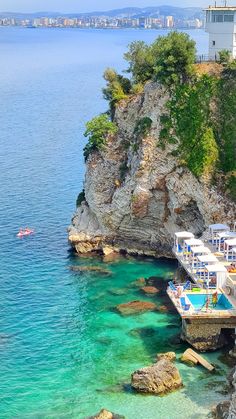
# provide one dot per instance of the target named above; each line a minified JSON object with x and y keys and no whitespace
{"x":65,"y":352}
{"x":199,"y":300}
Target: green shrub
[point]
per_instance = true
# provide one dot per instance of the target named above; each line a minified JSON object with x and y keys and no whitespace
{"x":203,"y":158}
{"x":189,"y":125}
{"x":226,"y":121}
{"x":137,"y":88}
{"x":143,"y":127}
{"x":117,"y":88}
{"x":97,"y":131}
{"x":224,"y":57}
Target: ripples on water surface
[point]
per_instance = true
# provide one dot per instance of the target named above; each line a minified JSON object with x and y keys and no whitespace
{"x":64,"y":352}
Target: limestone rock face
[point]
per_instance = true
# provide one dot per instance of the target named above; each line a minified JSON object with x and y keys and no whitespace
{"x":138,"y":208}
{"x":222,"y":410}
{"x":232,"y":407}
{"x":227,"y":408}
{"x":159,"y":378}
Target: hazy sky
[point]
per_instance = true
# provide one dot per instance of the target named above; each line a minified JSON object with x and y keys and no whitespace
{"x":90,"y":5}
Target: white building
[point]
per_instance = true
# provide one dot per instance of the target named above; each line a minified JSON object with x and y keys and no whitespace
{"x":221,"y":26}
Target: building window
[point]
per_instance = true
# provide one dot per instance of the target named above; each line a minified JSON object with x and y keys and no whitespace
{"x":229,"y":18}
{"x":216,"y":18}
{"x":213,"y":43}
{"x":219,"y":17}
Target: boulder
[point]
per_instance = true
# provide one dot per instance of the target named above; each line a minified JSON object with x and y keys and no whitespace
{"x":221,"y":411}
{"x":191,"y":357}
{"x":135,"y":307}
{"x":150,"y":290}
{"x":105,"y":414}
{"x":187,"y":358}
{"x":160,"y":378}
{"x":170,"y":356}
{"x":107,"y":250}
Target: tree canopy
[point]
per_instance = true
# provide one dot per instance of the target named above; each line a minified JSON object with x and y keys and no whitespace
{"x":169,"y":60}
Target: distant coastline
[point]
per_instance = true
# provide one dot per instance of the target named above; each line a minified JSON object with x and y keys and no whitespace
{"x":162,"y":17}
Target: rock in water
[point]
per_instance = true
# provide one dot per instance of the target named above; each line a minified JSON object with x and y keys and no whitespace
{"x":105,"y":414}
{"x":94,"y":269}
{"x":150,"y":290}
{"x":140,"y":282}
{"x":192,"y":357}
{"x":222,"y":410}
{"x":135,"y":307}
{"x":160,"y":378}
{"x":169,"y":356}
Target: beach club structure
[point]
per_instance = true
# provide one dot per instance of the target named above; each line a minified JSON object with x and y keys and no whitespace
{"x":207,"y":297}
{"x":209,"y":264}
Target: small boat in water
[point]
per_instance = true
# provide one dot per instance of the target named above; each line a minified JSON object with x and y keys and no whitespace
{"x":25,"y":232}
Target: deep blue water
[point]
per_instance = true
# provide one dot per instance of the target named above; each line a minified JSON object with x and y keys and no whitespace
{"x":64,"y":352}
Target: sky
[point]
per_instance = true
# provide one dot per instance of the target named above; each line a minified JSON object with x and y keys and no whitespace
{"x":91,"y":5}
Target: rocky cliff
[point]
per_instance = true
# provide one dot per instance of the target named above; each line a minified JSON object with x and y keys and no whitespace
{"x":227,"y":408}
{"x":137,"y":193}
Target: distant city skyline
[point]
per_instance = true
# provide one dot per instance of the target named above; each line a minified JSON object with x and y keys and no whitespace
{"x":70,"y":6}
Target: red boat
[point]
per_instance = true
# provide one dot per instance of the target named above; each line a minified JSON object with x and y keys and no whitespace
{"x":25,"y":232}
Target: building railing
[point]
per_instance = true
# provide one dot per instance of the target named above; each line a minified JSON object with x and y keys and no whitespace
{"x":203,"y":58}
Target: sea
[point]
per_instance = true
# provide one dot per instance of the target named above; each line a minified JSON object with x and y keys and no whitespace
{"x":64,"y":350}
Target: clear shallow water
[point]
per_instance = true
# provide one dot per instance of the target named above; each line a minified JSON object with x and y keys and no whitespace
{"x":64,"y":352}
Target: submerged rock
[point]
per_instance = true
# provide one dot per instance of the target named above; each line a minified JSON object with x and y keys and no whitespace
{"x":139,"y":282}
{"x":144,"y":332}
{"x":135,"y":307}
{"x":105,"y":414}
{"x":118,"y":291}
{"x":96,"y":269}
{"x":160,"y":378}
{"x":150,"y":290}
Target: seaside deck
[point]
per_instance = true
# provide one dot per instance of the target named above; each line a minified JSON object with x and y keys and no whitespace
{"x":199,"y":286}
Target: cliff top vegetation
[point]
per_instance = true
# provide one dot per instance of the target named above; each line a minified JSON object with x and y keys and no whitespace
{"x":200,"y":116}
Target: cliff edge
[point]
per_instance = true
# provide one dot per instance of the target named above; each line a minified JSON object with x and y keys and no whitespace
{"x":137,"y":193}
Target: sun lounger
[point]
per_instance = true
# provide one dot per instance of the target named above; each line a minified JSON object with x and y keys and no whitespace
{"x":185,"y":306}
{"x":187,"y":286}
{"x":172,"y":286}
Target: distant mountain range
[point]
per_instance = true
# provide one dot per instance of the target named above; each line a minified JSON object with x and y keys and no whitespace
{"x":134,"y":12}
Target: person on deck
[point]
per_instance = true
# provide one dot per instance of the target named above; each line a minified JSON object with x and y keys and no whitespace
{"x":214,"y":299}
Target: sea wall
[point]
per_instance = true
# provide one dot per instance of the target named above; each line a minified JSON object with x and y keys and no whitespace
{"x":207,"y":334}
{"x":137,"y":193}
